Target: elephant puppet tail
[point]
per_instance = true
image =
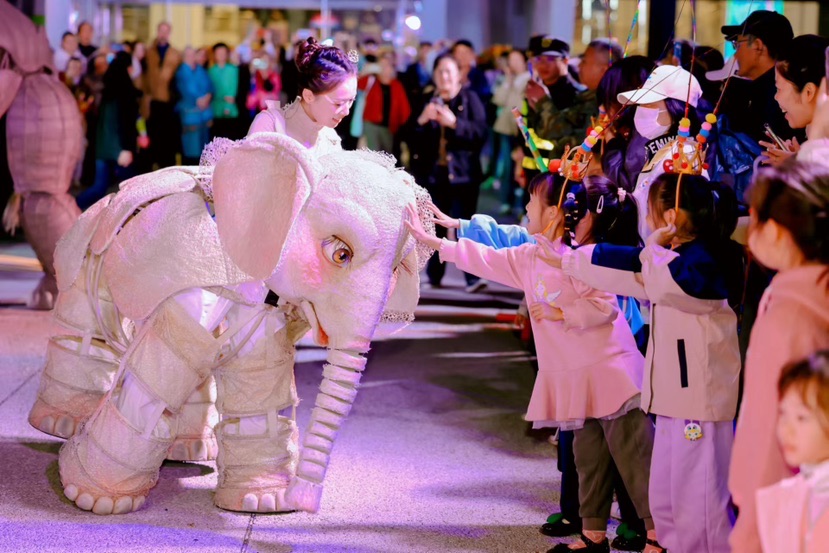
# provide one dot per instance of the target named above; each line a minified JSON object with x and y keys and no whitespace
{"x":340,"y":379}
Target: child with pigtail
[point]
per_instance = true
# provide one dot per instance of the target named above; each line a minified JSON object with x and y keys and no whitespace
{"x":688,"y":271}
{"x":589,"y":366}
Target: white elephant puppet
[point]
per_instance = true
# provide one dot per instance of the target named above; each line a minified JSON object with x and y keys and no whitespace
{"x":168,"y":336}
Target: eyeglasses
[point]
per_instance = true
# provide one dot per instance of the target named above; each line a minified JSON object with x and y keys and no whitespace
{"x":735,"y":42}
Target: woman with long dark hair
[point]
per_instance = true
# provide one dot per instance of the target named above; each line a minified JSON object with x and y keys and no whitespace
{"x":116,"y":135}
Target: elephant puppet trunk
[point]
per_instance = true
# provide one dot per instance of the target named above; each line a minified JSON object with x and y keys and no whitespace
{"x":340,"y":378}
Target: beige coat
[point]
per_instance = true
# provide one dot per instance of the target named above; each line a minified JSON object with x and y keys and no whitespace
{"x":158,"y":76}
{"x":693,"y":362}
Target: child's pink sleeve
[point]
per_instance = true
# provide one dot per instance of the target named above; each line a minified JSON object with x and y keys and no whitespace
{"x":592,"y":308}
{"x":504,"y":266}
{"x":613,"y":269}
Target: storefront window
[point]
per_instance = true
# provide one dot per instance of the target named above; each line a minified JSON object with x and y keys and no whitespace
{"x":592,"y":18}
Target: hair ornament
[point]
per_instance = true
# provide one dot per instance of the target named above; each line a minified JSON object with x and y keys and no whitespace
{"x":622,"y":194}
{"x":600,"y":205}
{"x":353,"y":56}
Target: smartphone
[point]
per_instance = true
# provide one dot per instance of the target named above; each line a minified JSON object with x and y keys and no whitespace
{"x":777,"y":139}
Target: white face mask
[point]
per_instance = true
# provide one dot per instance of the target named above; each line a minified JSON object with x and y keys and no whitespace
{"x":645,"y":121}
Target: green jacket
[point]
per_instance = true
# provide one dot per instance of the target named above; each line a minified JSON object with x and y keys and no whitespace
{"x":564,"y":127}
{"x":225,"y":83}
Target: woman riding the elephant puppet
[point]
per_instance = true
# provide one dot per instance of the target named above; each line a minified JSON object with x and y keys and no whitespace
{"x":328,"y":85}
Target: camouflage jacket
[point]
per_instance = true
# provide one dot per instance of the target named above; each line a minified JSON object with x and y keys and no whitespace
{"x":564,"y":127}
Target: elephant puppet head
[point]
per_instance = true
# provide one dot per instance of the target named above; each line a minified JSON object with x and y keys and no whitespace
{"x":326,"y":234}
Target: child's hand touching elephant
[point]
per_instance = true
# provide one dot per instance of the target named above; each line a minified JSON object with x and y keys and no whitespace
{"x":441,"y":218}
{"x":415,"y":227}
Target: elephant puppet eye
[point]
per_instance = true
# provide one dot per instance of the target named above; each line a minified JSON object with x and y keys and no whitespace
{"x":337,"y":251}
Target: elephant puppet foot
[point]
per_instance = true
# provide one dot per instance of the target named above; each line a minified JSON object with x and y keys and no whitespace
{"x":109,"y":467}
{"x":255,"y":470}
{"x":71,"y":386}
{"x":195,"y":439}
{"x":50,"y":421}
{"x":193,"y":449}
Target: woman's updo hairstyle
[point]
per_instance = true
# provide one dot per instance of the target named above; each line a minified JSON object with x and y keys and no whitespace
{"x":322,"y":68}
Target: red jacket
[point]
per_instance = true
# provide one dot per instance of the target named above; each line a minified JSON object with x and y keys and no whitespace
{"x":400,"y":109}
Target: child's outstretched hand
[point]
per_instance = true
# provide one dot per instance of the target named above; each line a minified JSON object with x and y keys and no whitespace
{"x":661,"y":236}
{"x":549,"y":255}
{"x":541,"y":310}
{"x":441,"y":218}
{"x":416,"y":229}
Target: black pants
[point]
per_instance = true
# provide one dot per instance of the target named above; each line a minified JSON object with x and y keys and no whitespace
{"x":164,"y":130}
{"x":456,"y":200}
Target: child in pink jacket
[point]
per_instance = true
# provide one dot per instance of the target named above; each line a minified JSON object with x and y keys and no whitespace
{"x":589,"y":368}
{"x":688,"y":271}
{"x":790,"y":234}
{"x":793,"y":515}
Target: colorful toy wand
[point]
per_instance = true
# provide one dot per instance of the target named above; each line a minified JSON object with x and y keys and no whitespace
{"x":525,"y":132}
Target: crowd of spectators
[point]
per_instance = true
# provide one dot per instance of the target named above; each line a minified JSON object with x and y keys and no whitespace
{"x":447,"y":116}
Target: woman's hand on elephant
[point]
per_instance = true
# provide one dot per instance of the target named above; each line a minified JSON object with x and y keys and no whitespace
{"x":441,"y":218}
{"x":418,"y":232}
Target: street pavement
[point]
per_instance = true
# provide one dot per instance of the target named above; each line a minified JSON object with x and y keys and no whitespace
{"x":435,"y":456}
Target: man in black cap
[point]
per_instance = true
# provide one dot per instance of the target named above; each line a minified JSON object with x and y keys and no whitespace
{"x":758,"y":41}
{"x":555,"y":101}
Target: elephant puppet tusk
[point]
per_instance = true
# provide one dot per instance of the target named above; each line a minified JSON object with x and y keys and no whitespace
{"x":320,"y":337}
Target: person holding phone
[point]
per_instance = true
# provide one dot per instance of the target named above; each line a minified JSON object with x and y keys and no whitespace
{"x":448,"y":136}
{"x":799,"y":71}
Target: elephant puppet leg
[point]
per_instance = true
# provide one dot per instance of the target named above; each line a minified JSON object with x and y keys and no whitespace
{"x":258,"y":447}
{"x":197,"y":418}
{"x":80,"y":364}
{"x":112,"y":462}
{"x":46,"y":218}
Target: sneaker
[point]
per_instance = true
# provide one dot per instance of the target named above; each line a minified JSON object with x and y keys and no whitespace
{"x":558,"y":527}
{"x":476,"y":286}
{"x":590,"y":546}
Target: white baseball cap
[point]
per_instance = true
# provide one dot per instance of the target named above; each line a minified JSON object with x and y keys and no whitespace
{"x":666,"y":81}
{"x":728,"y":70}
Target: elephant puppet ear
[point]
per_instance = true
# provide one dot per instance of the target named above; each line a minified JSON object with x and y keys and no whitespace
{"x":259,"y":188}
{"x":405,"y":291}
